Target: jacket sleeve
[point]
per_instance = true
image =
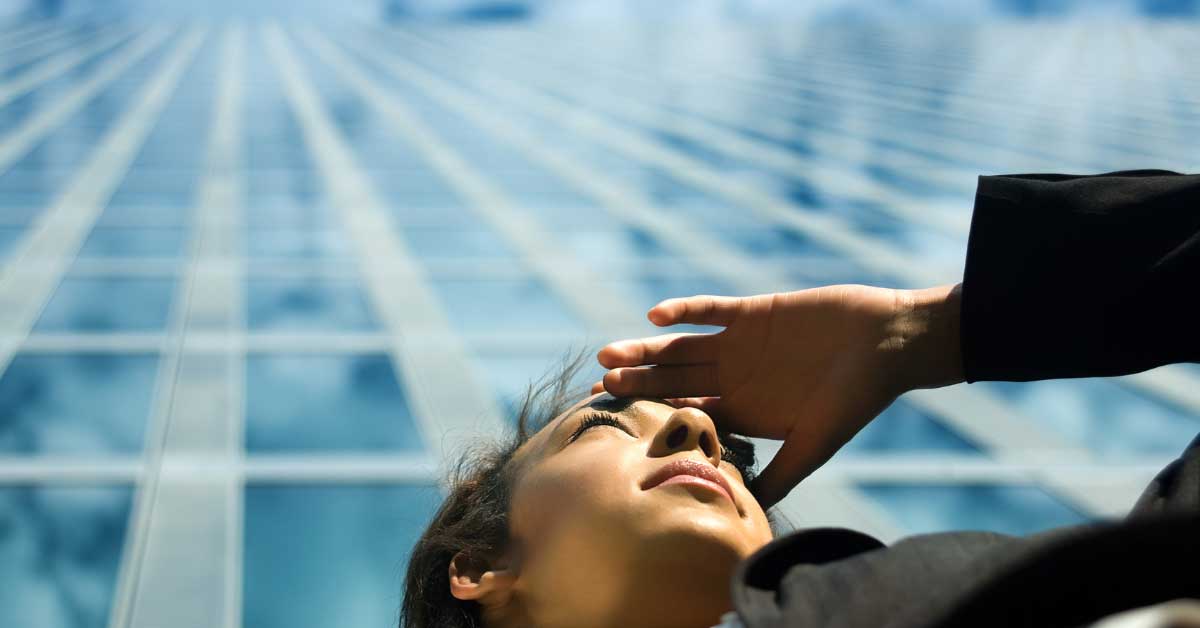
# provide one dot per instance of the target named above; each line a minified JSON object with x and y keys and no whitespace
{"x":1081,"y":276}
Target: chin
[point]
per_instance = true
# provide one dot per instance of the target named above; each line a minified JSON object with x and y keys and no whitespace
{"x":698,"y":533}
{"x":676,"y":511}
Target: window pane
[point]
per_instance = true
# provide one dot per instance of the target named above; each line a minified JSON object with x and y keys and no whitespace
{"x":457,"y":244}
{"x":295,"y":243}
{"x":326,"y":403}
{"x":414,"y":188}
{"x":143,"y":217}
{"x":133,"y":243}
{"x":644,"y":293}
{"x":28,"y":187}
{"x":510,"y":374}
{"x":775,"y":243}
{"x":838,"y":272}
{"x":155,"y":189}
{"x":13,"y":212}
{"x":999,"y":508}
{"x":60,"y":549}
{"x":476,"y":306}
{"x":306,"y":304}
{"x":330,"y":556}
{"x":108,"y":304}
{"x":903,"y":428}
{"x":624,"y":251}
{"x":87,"y":402}
{"x":1104,"y":416}
{"x":284,"y":213}
{"x":8,"y":240}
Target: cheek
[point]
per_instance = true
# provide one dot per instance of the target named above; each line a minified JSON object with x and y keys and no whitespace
{"x":588,"y":492}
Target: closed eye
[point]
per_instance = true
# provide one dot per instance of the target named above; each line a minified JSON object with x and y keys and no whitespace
{"x":599,"y":418}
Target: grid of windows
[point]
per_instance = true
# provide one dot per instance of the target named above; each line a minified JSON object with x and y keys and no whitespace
{"x":266,"y":278}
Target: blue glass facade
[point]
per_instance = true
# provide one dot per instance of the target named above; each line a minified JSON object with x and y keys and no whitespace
{"x":266,"y":277}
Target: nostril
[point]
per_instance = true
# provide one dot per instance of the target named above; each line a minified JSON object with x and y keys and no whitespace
{"x":706,"y":444}
{"x":675,"y":438}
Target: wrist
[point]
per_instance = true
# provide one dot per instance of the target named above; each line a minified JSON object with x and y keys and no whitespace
{"x":927,"y":324}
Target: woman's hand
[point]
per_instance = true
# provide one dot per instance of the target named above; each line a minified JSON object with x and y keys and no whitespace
{"x":810,"y":368}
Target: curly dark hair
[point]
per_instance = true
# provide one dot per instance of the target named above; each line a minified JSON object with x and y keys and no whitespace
{"x":474,"y":517}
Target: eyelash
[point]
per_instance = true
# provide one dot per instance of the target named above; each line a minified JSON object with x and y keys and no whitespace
{"x":592,"y":420}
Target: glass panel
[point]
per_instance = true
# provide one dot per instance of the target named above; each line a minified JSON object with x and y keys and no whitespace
{"x":288,"y":199}
{"x":143,"y":217}
{"x":1103,"y":416}
{"x":19,"y":215}
{"x":317,"y":557}
{"x":532,"y":186}
{"x":842,"y":271}
{"x":448,"y":217}
{"x":273,"y":243}
{"x":624,"y":251}
{"x":283,"y":213}
{"x":108,"y":304}
{"x":60,"y":548}
{"x":8,"y":240}
{"x":510,"y":375}
{"x":328,"y":402}
{"x":903,"y":428}
{"x":30,"y":187}
{"x":415,"y":188}
{"x":155,"y":189}
{"x":775,"y":242}
{"x":67,"y":403}
{"x":455,"y":244}
{"x":998,"y":508}
{"x":689,"y":202}
{"x":644,"y":293}
{"x":692,"y":148}
{"x":480,"y":306}
{"x":298,"y":186}
{"x":105,"y":242}
{"x":306,"y":303}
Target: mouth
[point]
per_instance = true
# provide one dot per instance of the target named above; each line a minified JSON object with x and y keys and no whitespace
{"x":692,"y":473}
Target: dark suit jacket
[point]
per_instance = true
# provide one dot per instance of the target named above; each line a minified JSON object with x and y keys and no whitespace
{"x":1066,"y":277}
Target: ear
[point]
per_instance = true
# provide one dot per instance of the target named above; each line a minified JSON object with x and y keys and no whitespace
{"x":474,"y":579}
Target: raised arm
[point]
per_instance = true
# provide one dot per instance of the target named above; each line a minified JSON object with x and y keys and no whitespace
{"x":1081,"y":276}
{"x":1066,"y":277}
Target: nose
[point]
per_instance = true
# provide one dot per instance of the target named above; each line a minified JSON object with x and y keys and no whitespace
{"x":688,"y":429}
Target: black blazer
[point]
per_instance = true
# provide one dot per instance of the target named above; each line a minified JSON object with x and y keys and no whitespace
{"x":1066,"y":276}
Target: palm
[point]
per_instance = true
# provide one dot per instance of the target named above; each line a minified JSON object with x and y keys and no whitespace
{"x":794,"y":366}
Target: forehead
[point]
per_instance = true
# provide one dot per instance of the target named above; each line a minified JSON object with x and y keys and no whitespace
{"x":538,"y":444}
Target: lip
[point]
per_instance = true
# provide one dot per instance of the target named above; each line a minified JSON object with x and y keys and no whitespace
{"x":695,"y":472}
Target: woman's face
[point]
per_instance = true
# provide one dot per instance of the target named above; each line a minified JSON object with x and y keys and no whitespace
{"x":595,"y":544}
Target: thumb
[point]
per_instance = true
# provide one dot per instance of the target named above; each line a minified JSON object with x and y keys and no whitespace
{"x":794,"y":461}
{"x":811,"y":442}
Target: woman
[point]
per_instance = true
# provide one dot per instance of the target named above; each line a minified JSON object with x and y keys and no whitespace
{"x":628,"y":510}
{"x":574,"y":523}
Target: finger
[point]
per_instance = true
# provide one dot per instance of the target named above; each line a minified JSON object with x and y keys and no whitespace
{"x":597,"y":388}
{"x":665,"y":349}
{"x":794,"y":461}
{"x":663,"y":381}
{"x":698,"y":310}
{"x":710,"y":405}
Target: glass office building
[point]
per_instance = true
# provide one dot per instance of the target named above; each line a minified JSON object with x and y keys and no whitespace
{"x":262,"y":273}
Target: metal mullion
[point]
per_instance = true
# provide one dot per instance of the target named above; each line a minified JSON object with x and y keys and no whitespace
{"x":451,"y":404}
{"x":55,"y":66}
{"x":1024,"y":430}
